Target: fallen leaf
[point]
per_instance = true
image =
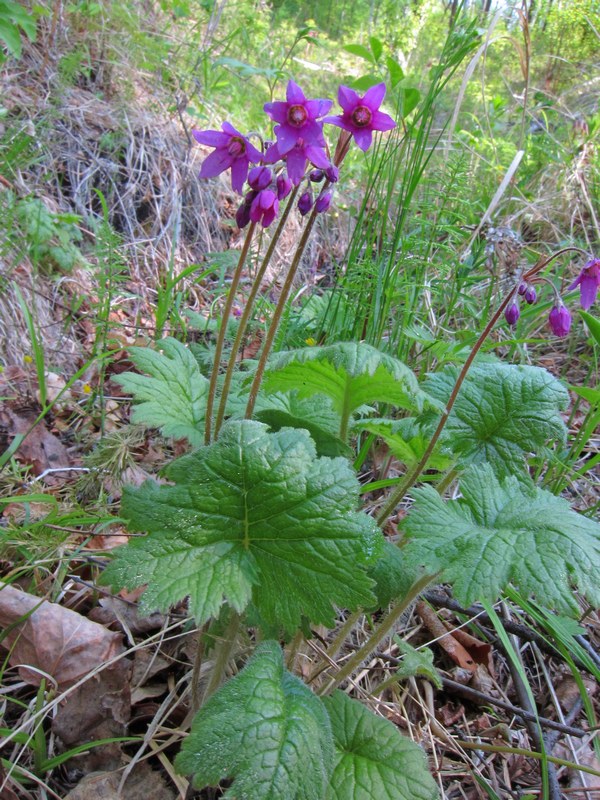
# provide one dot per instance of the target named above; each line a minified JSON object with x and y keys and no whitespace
{"x":53,"y":639}
{"x":445,"y":639}
{"x":143,"y":783}
{"x":41,"y":449}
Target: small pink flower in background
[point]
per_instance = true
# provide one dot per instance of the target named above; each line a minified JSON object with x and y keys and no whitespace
{"x":232,"y":150}
{"x":264,"y":208}
{"x":560,"y":320}
{"x":361,"y":115}
{"x":588,"y":281}
{"x":298,"y":119}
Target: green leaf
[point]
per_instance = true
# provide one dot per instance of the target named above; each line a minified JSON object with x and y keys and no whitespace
{"x":172,"y":397}
{"x":254,"y":516}
{"x":376,"y":47}
{"x":314,"y":414}
{"x":502,"y":413}
{"x":365,"y":82}
{"x":395,"y":70}
{"x":265,"y":729}
{"x":410,"y":100}
{"x":372,"y":759}
{"x":393,"y":577}
{"x":352,"y":374}
{"x":406,"y":439}
{"x":501,"y":533}
{"x":417,"y":662}
{"x":359,"y":50}
{"x":593,"y":324}
{"x":11,"y":37}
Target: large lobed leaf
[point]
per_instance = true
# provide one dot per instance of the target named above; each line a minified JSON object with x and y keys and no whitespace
{"x":265,"y":729}
{"x":172,"y":396}
{"x":502,"y":413}
{"x":502,"y":532}
{"x":254,"y":516}
{"x":352,"y":374}
{"x":372,"y":759}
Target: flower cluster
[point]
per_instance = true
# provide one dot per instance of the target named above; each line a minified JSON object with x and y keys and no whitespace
{"x":299,"y":140}
{"x":560,"y":318}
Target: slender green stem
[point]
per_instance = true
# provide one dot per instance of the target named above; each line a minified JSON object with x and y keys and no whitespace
{"x":273,"y":327}
{"x":249,"y":307}
{"x":210,"y":400}
{"x":292,"y":650}
{"x":223,"y":651}
{"x":448,"y":478}
{"x":345,"y":414}
{"x":377,"y":636}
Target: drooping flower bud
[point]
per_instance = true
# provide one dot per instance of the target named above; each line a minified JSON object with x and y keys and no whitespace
{"x":242,"y":215}
{"x":512,"y":313}
{"x":259,"y":178}
{"x":316,"y":175}
{"x":305,"y":203}
{"x":264,"y":208}
{"x":530,"y":295}
{"x":332,"y":174}
{"x":323,"y":202}
{"x":560,"y":320}
{"x":522,"y":288}
{"x":284,"y":186}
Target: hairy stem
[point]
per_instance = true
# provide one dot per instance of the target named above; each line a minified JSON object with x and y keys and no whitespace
{"x":249,"y":307}
{"x":223,"y":651}
{"x":210,"y":400}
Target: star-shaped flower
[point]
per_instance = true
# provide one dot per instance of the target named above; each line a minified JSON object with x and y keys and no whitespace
{"x":297,"y":119}
{"x":361,"y":114}
{"x":232,"y":149}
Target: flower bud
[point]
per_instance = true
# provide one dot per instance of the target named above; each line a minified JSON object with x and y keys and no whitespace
{"x":512,"y":314}
{"x":522,"y":288}
{"x":264,"y":208}
{"x":332,"y":174}
{"x":560,"y":320}
{"x":259,"y":178}
{"x":305,"y":203}
{"x":284,"y":186}
{"x":531,"y":295}
{"x":323,"y":202}
{"x":316,"y":175}
{"x":242,"y":215}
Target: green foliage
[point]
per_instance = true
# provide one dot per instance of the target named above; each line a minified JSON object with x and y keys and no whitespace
{"x":372,"y":759}
{"x":254,"y":516}
{"x":352,"y":374}
{"x":266,"y":730}
{"x":503,"y":532}
{"x":392,"y":575}
{"x":51,"y":240}
{"x":172,"y":396}
{"x":503,"y":412}
{"x":407,"y":439}
{"x":14,"y":19}
{"x":417,"y":662}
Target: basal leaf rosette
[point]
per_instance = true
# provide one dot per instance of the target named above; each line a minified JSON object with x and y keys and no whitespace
{"x":255,"y":516}
{"x":266,"y":730}
{"x":503,"y":532}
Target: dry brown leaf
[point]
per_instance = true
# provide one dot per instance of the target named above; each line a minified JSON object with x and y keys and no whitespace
{"x":143,"y":783}
{"x":446,"y":640}
{"x":51,"y":638}
{"x":577,"y":779}
{"x":41,"y":449}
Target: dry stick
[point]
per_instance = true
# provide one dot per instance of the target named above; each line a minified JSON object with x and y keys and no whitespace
{"x":411,"y":479}
{"x":256,"y":284}
{"x":273,"y":327}
{"x":222,"y":332}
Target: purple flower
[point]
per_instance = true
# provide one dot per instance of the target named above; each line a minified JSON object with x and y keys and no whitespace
{"x":512,"y":313}
{"x":264,"y":208}
{"x":259,"y":178}
{"x":242,"y":215}
{"x":588,"y":281}
{"x":530,"y":295}
{"x":305,"y":203}
{"x":232,"y":149}
{"x":361,"y":115}
{"x":297,"y":157}
{"x":297,"y":118}
{"x":316,"y":175}
{"x":522,"y":288}
{"x":323,"y":201}
{"x":560,"y":320}
{"x":284,"y":186}
{"x":332,"y":174}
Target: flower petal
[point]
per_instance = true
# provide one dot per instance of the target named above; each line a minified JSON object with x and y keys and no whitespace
{"x":374,"y":96}
{"x":347,"y":98}
{"x":312,"y":134}
{"x":277,"y":110}
{"x":272,"y":155}
{"x":252,"y":153}
{"x":239,"y":172}
{"x":575,"y":283}
{"x":589,"y":289}
{"x":286,"y":138}
{"x":339,"y":121}
{"x":382,"y":122}
{"x":211,"y":138}
{"x":363,"y":138}
{"x":296,"y":162}
{"x":295,"y":94}
{"x":318,"y":157}
{"x":228,"y":128}
{"x":216,"y":163}
{"x":316,"y":108}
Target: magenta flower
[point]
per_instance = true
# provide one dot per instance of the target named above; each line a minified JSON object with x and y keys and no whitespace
{"x":560,"y":320}
{"x":298,"y":119}
{"x":284,"y":186}
{"x":259,"y":178}
{"x":297,"y":157}
{"x":512,"y":313}
{"x":323,"y":201}
{"x":232,"y":149}
{"x":264,"y":208}
{"x":530,"y":295}
{"x":305,"y":203}
{"x":361,"y":114}
{"x":588,"y":281}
